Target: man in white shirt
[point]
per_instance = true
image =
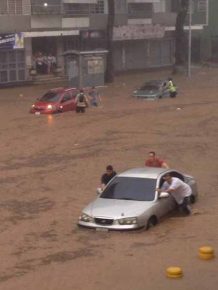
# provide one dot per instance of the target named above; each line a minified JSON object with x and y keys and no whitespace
{"x":180,"y":190}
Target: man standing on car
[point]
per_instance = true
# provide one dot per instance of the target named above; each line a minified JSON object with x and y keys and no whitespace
{"x":180,"y":190}
{"x":154,"y":161}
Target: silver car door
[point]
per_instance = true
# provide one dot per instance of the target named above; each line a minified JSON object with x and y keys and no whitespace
{"x":165,"y":205}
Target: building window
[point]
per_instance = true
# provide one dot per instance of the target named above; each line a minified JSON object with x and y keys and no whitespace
{"x":3,"y":7}
{"x":46,"y":7}
{"x":202,"y":5}
{"x":139,"y":10}
{"x":120,"y":6}
{"x":11,"y":7}
{"x":98,"y":8}
{"x":76,"y":9}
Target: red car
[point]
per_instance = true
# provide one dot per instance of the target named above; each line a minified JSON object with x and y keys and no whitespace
{"x":55,"y":101}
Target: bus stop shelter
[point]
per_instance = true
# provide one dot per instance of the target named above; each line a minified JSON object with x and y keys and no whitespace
{"x":85,"y":68}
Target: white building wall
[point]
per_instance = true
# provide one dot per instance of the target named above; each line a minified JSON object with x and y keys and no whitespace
{"x":43,"y":21}
{"x":160,"y":7}
{"x":143,"y":1}
{"x":28,"y":52}
{"x":80,"y":1}
{"x":26,"y":7}
{"x":78,"y":22}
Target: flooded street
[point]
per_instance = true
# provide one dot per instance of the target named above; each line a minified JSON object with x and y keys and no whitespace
{"x":51,"y":166}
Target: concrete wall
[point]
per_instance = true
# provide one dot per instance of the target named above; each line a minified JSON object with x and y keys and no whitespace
{"x":28,"y":55}
{"x":98,"y":21}
{"x":77,"y":22}
{"x":210,"y":32}
{"x":15,"y":23}
{"x":60,"y":58}
{"x":47,"y":22}
{"x":212,"y":28}
{"x":167,"y":19}
{"x":26,"y":7}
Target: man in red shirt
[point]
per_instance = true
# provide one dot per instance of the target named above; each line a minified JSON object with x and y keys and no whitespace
{"x":154,"y":161}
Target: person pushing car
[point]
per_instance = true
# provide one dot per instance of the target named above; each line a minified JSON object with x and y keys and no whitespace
{"x":180,"y":190}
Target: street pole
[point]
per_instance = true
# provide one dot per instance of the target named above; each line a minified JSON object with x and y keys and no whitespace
{"x":190,"y":39}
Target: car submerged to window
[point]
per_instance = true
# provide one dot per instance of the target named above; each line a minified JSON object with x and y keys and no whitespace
{"x":56,"y":100}
{"x":130,"y":200}
{"x":152,"y":90}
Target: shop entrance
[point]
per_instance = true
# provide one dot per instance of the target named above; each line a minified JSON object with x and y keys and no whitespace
{"x":44,"y":53}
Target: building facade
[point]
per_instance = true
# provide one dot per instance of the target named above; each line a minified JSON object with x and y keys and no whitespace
{"x":210,"y":35}
{"x":34,"y":34}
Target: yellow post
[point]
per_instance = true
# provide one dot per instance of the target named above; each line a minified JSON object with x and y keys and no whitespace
{"x":206,"y":253}
{"x":174,"y":272}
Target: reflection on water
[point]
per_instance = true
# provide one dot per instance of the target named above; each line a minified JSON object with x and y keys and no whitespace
{"x":50,"y":119}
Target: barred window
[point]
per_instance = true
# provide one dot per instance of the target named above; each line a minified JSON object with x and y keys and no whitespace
{"x":3,"y":7}
{"x":11,"y":7}
{"x":140,"y":10}
{"x":98,"y":8}
{"x":202,"y":5}
{"x":46,"y":7}
{"x":77,"y":9}
{"x":120,"y":6}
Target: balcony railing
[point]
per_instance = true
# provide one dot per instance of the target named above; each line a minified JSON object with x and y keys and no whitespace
{"x":139,"y":10}
{"x":44,"y":9}
{"x":14,"y":7}
{"x":18,"y":7}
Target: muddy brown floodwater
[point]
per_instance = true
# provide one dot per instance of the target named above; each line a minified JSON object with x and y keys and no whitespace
{"x":50,"y":167}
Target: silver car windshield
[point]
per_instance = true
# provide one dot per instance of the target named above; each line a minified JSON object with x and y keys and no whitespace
{"x":149,"y":88}
{"x":130,"y":188}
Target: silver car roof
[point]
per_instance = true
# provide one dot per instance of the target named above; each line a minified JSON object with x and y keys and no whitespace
{"x":144,"y":172}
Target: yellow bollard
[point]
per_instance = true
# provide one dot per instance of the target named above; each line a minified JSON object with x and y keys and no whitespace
{"x":174,"y":272}
{"x":206,"y":253}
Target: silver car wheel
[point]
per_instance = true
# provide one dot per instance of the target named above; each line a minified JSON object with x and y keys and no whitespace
{"x":192,"y":199}
{"x":151,"y":222}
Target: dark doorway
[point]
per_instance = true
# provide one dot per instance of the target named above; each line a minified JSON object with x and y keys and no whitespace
{"x":44,"y":45}
{"x":214,"y":49}
{"x":44,"y":51}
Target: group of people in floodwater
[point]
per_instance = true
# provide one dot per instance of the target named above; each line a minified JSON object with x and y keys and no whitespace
{"x":174,"y":186}
{"x":93,"y":98}
{"x":83,"y":101}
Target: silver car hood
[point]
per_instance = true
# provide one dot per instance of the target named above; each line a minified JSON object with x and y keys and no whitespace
{"x":149,"y":92}
{"x":117,"y":208}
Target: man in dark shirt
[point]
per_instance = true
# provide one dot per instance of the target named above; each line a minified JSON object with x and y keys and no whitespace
{"x":107,"y":176}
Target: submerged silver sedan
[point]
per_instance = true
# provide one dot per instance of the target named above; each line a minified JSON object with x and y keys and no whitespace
{"x":130,"y":200}
{"x":152,"y":90}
